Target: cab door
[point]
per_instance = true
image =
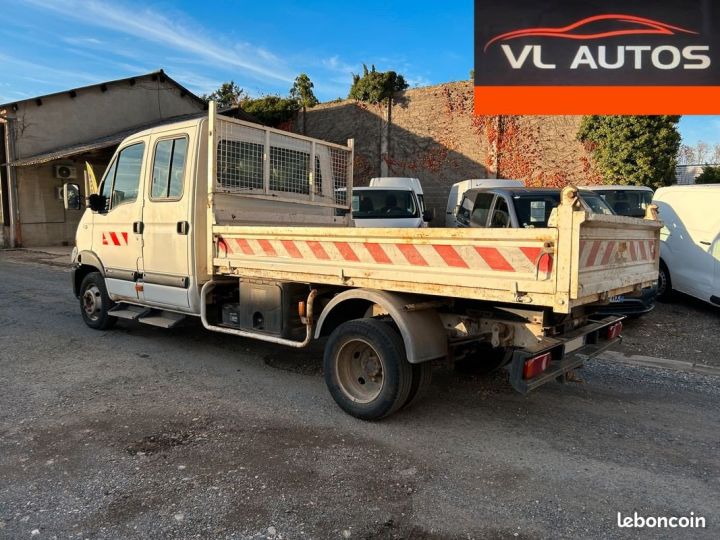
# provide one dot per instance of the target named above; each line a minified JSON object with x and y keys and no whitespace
{"x":166,"y":223}
{"x":116,"y":232}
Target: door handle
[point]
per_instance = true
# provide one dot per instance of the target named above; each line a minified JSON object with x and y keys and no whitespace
{"x":138,"y":227}
{"x":183,"y":227}
{"x":705,"y":243}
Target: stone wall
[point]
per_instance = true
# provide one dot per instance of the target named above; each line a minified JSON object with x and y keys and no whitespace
{"x":434,"y":136}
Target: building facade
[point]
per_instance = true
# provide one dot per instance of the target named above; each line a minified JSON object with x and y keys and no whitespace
{"x":47,"y":140}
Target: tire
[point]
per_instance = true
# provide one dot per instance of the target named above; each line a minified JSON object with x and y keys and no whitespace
{"x":664,"y":290}
{"x":483,"y":361}
{"x":95,"y":302}
{"x":366,"y":369}
{"x":421,"y":379}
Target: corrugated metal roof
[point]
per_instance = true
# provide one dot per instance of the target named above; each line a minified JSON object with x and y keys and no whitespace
{"x":96,"y":144}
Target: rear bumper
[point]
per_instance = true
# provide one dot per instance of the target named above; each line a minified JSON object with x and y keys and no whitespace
{"x":632,"y":305}
{"x":568,"y":353}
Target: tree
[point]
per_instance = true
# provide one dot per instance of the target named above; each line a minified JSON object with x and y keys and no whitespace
{"x":228,"y":95}
{"x":379,"y":87}
{"x":376,"y":86}
{"x":302,"y":92}
{"x":716,"y":153}
{"x":271,"y":110}
{"x":686,"y":155}
{"x":701,"y":152}
{"x":710,"y":175}
{"x":639,"y":150}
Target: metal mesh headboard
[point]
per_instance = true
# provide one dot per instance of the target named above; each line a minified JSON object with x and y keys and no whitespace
{"x":253,"y":160}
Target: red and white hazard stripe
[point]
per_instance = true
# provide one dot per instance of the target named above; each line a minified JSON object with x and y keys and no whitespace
{"x":527,"y":259}
{"x":115,"y":239}
{"x":598,"y":253}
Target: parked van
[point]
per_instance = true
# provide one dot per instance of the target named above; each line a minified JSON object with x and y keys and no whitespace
{"x":401,"y":182}
{"x":458,"y":189}
{"x":631,"y":201}
{"x":689,"y":241}
{"x":388,"y":207}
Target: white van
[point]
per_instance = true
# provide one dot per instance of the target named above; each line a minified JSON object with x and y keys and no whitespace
{"x":401,"y":182}
{"x":388,"y":207}
{"x":458,"y":189}
{"x":689,"y":241}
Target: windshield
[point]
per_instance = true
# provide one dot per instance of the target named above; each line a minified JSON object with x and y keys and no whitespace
{"x":383,"y":204}
{"x":534,"y":209}
{"x":596,"y":203}
{"x":627,"y":202}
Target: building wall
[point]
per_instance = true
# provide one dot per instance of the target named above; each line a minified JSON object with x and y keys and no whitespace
{"x":43,"y":218}
{"x":60,"y":121}
{"x":435,"y":136}
{"x":63,"y":121}
{"x":686,"y":174}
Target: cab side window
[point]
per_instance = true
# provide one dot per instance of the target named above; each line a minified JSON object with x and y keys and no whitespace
{"x":480,"y":212}
{"x":124,"y":176}
{"x":169,"y":169}
{"x":107,"y":183}
{"x":501,"y":214}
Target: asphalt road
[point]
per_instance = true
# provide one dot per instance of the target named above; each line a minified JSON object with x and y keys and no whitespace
{"x":140,"y":432}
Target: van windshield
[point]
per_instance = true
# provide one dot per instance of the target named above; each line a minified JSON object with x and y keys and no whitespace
{"x":627,"y":202}
{"x":383,"y":203}
{"x":534,"y":209}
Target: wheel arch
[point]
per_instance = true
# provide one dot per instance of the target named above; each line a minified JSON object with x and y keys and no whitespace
{"x":85,"y":262}
{"x":422,"y":331}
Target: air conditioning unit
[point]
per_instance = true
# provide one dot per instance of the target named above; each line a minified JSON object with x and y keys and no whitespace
{"x":65,"y":172}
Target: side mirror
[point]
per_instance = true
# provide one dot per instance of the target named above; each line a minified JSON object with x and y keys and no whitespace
{"x":71,"y":197}
{"x":97,"y":203}
{"x":428,"y":215}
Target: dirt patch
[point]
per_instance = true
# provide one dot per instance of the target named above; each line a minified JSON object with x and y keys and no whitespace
{"x":158,"y":443}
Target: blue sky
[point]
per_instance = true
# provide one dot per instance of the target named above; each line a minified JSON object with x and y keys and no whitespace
{"x":53,"y":45}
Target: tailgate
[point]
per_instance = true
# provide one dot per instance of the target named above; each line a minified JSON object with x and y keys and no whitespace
{"x":615,"y":253}
{"x":600,"y":256}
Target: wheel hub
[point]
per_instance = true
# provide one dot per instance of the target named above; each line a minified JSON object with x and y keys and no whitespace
{"x":360,"y":371}
{"x":92,"y":302}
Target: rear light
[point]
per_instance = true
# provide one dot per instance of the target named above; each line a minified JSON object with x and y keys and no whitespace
{"x":614,"y":330}
{"x":536,"y":365}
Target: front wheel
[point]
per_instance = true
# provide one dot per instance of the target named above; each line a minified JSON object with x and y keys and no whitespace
{"x":366,"y":369}
{"x":95,"y":302}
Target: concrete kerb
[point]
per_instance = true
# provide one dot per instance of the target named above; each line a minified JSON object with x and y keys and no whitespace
{"x":659,"y":363}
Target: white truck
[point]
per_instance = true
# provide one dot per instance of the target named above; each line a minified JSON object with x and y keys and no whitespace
{"x":236,"y":224}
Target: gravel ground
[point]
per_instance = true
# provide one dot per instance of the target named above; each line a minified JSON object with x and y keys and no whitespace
{"x":143,"y":433}
{"x":686,"y":329}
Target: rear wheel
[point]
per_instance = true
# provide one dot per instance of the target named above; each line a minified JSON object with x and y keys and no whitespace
{"x":664,"y":289}
{"x":366,"y":369}
{"x":421,"y":378}
{"x":95,"y":302}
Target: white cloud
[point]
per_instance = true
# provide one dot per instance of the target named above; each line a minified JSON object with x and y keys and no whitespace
{"x":149,"y":26}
